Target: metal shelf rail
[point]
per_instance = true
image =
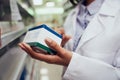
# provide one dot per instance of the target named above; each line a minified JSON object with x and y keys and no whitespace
{"x":6,"y":39}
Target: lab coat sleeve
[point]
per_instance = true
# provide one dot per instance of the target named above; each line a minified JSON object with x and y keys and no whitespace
{"x":84,"y":68}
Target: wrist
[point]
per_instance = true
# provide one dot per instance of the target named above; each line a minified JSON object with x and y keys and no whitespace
{"x":68,"y":58}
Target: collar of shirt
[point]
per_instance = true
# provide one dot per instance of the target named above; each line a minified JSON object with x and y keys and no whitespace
{"x":94,"y":7}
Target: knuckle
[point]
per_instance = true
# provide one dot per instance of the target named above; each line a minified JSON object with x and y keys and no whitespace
{"x":32,"y":56}
{"x":53,"y":44}
{"x":63,"y":51}
{"x":51,"y":61}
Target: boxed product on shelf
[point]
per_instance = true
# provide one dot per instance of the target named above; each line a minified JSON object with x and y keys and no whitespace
{"x":35,"y":38}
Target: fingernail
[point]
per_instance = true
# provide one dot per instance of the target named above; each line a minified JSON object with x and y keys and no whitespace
{"x":48,"y":40}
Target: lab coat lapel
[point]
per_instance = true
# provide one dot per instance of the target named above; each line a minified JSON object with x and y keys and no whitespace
{"x":75,"y":18}
{"x":97,"y":25}
{"x":71,"y":22}
{"x":92,"y":30}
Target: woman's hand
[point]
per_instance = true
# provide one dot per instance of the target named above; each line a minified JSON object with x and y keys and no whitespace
{"x":65,"y":37}
{"x":62,"y":57}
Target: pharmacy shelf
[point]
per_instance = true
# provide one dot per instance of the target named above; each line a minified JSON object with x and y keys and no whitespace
{"x":14,"y":59}
{"x":11,"y":36}
{"x":24,"y":12}
{"x":12,"y":63}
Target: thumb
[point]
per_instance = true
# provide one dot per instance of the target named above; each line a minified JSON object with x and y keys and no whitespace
{"x":60,"y":31}
{"x":52,"y":44}
{"x":66,"y":38}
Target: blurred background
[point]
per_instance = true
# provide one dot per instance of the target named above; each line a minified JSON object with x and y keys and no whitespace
{"x":16,"y":17}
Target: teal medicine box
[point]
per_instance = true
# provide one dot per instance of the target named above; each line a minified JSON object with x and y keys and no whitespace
{"x":35,"y":37}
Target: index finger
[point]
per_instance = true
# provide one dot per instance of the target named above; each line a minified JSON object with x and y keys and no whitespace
{"x":52,"y":44}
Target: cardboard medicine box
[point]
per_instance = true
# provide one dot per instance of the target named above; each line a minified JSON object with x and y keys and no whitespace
{"x":35,"y":37}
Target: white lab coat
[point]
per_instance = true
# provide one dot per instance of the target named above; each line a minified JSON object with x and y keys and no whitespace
{"x":97,"y":56}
